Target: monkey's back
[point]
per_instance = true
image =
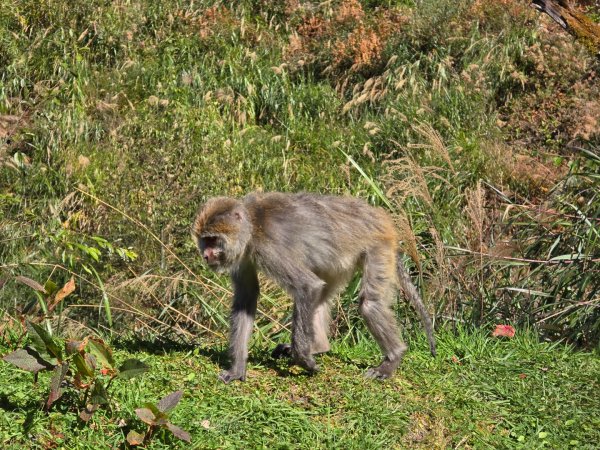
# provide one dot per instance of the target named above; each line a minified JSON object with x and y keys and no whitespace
{"x":316,"y":229}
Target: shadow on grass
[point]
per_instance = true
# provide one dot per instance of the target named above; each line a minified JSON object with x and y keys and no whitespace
{"x":30,"y":409}
{"x":218,"y":354}
{"x":160,"y":346}
{"x":282,"y":365}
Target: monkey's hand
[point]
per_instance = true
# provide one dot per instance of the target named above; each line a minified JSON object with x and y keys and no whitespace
{"x":227,"y":376}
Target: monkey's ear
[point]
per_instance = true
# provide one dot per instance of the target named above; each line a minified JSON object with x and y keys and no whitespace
{"x":237,"y":215}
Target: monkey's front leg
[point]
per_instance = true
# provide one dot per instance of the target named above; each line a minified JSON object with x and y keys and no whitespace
{"x":246,"y":291}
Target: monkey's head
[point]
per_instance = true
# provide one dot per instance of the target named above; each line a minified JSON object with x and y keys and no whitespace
{"x":221,"y":231}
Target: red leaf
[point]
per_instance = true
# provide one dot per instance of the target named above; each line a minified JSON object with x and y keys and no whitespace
{"x":504,"y":331}
{"x":57,"y":378}
{"x":181,"y":434}
{"x":27,"y":359}
{"x":168,"y":402}
{"x":67,"y":289}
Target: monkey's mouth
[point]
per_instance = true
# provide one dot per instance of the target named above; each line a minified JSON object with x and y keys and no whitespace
{"x":212,"y":257}
{"x":212,"y":253}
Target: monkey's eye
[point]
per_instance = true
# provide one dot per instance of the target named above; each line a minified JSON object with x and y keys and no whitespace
{"x":209,"y":242}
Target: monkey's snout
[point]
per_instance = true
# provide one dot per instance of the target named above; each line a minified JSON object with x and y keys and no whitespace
{"x":210,"y":256}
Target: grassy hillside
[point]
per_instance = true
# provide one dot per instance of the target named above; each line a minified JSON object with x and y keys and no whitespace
{"x":474,"y":123}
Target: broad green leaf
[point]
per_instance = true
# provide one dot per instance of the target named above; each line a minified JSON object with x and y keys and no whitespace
{"x":132,"y":368}
{"x":37,"y":341}
{"x":28,"y":359}
{"x":168,"y":402}
{"x":42,"y":341}
{"x":83,"y":368}
{"x":90,"y":360}
{"x":102,"y":352}
{"x":178,"y":432}
{"x":58,"y":376}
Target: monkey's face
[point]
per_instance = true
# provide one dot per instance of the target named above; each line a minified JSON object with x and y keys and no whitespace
{"x":212,"y":249}
{"x":222,"y":232}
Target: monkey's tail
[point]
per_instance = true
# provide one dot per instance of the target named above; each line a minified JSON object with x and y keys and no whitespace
{"x":410,"y":292}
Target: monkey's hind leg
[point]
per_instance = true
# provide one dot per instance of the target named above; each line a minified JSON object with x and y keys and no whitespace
{"x":376,"y":296}
{"x":321,"y":321}
{"x":306,"y":290}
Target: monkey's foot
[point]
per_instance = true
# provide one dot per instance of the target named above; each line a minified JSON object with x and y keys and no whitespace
{"x":384,"y":371}
{"x":282,"y":351}
{"x":227,"y":376}
{"x":308,"y":363}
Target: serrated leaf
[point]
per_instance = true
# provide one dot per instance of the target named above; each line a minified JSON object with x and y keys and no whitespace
{"x":58,"y":376}
{"x":102,"y":352}
{"x":135,"y":438}
{"x":99,"y":396}
{"x":82,"y":367}
{"x":87,"y":413}
{"x":169,"y":402}
{"x":178,"y":432}
{"x":146,"y":416}
{"x":37,"y":342}
{"x":132,"y":368}
{"x":42,"y":341}
{"x":28,"y":359}
{"x":31,"y":283}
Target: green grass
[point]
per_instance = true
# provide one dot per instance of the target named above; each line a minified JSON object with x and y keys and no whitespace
{"x":479,"y":392}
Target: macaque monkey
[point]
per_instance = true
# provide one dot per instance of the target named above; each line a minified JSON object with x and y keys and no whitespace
{"x":311,"y":245}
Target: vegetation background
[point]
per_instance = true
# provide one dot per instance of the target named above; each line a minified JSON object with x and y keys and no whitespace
{"x":476,"y":123}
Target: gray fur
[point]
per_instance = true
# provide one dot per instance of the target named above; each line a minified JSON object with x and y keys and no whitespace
{"x":311,"y":245}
